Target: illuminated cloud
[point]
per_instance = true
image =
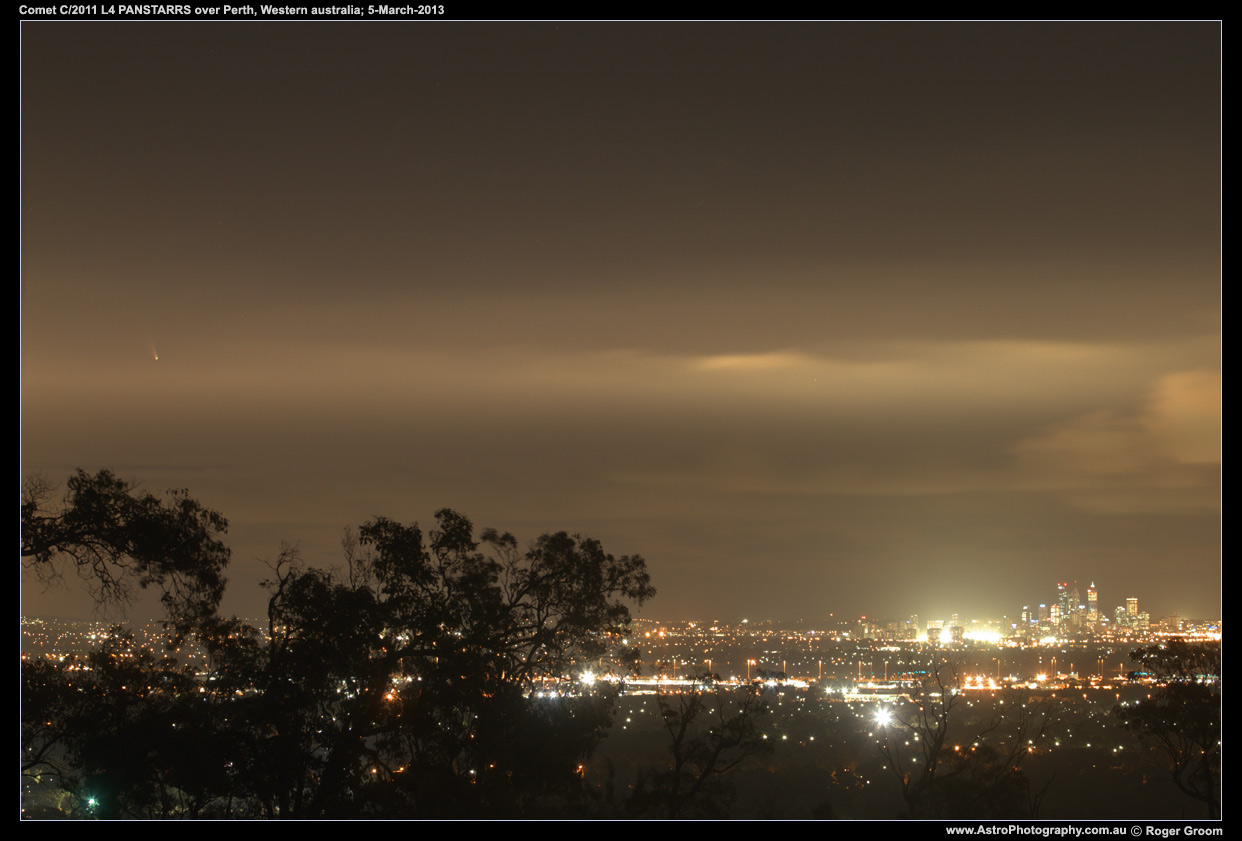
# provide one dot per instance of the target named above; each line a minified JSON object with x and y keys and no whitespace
{"x":733,"y":335}
{"x":1165,"y":457}
{"x":1185,"y":416}
{"x":751,"y":361}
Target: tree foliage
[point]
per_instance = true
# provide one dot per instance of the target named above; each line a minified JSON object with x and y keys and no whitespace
{"x":434,"y":675}
{"x":1181,"y":722}
{"x":410,"y":684}
{"x":115,"y":538}
{"x":124,"y":729}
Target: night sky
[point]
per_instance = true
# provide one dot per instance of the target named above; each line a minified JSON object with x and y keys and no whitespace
{"x":816,"y":317}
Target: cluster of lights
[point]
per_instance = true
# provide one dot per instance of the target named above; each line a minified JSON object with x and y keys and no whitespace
{"x":979,"y":682}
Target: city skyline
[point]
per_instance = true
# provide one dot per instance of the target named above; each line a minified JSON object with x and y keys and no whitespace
{"x":814,"y":317}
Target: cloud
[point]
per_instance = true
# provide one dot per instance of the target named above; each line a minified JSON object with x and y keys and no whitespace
{"x":750,"y":361}
{"x":1165,"y":457}
{"x":1185,"y":416}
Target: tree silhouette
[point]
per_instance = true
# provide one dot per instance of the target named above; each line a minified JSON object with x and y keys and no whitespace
{"x":125,"y":730}
{"x":116,"y":538}
{"x":712,"y":729}
{"x":975,"y":775}
{"x":1181,"y":723}
{"x":409,"y":684}
{"x":436,"y":675}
